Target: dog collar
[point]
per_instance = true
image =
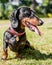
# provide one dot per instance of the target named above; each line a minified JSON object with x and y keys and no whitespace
{"x":13,"y":32}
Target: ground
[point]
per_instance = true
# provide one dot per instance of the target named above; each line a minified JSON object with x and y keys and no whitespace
{"x":42,"y":55}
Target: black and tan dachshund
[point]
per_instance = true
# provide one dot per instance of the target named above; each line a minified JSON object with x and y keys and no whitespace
{"x":15,"y":35}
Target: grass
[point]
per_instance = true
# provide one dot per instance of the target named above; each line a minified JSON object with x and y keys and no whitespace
{"x":42,"y":55}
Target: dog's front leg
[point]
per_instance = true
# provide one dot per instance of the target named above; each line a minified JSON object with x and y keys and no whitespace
{"x":5,"y":54}
{"x":6,"y":38}
{"x":28,"y":45}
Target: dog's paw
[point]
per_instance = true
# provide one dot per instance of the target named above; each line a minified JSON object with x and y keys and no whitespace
{"x":3,"y":58}
{"x":19,"y":57}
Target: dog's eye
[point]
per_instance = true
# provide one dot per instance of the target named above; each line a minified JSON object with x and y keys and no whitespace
{"x":32,"y":14}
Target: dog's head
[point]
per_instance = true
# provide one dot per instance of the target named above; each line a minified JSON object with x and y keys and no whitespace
{"x":27,"y":17}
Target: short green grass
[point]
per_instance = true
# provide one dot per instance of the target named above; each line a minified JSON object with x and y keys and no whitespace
{"x":42,"y":55}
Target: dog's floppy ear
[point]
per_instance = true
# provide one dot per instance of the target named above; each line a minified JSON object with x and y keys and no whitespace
{"x":14,"y":19}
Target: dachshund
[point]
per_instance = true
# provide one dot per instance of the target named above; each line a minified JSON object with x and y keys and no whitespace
{"x":15,"y":35}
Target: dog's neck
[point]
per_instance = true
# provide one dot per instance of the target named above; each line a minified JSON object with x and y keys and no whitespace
{"x":19,"y":29}
{"x":14,"y":32}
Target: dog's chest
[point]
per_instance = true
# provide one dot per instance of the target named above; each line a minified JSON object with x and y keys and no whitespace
{"x":17,"y":43}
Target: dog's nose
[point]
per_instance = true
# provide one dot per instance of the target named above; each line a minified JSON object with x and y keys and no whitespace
{"x":41,"y":22}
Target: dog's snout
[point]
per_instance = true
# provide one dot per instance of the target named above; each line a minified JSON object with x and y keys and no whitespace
{"x":41,"y":22}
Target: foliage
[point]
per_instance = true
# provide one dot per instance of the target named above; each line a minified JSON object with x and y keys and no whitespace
{"x":45,"y":3}
{"x":5,"y":11}
{"x":3,"y":1}
{"x":43,"y":11}
{"x":1,"y":10}
{"x":8,"y":10}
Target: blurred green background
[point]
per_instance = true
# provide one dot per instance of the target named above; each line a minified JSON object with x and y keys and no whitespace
{"x":43,"y":8}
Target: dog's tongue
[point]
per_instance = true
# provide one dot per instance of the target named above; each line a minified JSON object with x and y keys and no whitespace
{"x":38,"y":31}
{"x":35,"y":28}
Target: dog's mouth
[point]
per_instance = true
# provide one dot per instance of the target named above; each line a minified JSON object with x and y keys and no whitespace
{"x":33,"y":28}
